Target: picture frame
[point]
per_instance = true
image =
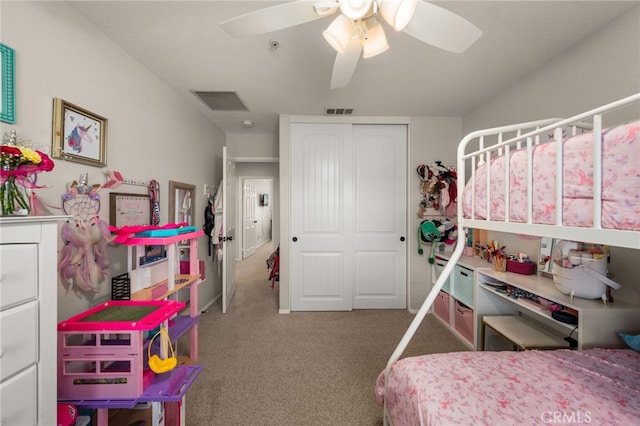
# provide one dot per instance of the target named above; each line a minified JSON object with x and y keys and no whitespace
{"x":182,"y":201}
{"x":7,"y":86}
{"x":129,"y":209}
{"x":78,"y":134}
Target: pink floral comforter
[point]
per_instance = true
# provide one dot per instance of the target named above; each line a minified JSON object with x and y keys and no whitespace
{"x":595,"y":386}
{"x":620,"y":182}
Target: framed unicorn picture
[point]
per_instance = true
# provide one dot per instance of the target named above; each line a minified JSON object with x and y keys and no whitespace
{"x":78,"y":135}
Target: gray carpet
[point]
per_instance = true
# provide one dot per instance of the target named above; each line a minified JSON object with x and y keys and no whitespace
{"x":305,"y":368}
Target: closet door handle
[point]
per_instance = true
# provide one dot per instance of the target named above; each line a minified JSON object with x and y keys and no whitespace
{"x":401,"y":238}
{"x":294,"y":239}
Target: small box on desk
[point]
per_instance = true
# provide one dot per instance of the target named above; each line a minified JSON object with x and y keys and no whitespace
{"x":523,"y":268}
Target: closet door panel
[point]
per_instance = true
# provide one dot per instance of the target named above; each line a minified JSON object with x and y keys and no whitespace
{"x":380,"y":163}
{"x":321,"y":217}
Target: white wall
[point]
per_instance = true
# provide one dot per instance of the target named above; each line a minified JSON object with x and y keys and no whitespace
{"x":252,"y":145}
{"x":431,"y":139}
{"x":600,"y":69}
{"x":153,"y":133}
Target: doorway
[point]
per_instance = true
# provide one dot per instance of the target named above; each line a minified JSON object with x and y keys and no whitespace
{"x":257,"y":214}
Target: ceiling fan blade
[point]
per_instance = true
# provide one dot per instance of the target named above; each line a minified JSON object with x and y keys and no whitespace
{"x":272,"y":18}
{"x":345,"y":64}
{"x":441,"y":28}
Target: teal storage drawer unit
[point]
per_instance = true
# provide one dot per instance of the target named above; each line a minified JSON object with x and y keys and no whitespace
{"x":440,"y":264}
{"x":463,"y":285}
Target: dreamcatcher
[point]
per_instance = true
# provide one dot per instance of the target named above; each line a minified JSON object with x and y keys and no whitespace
{"x":83,"y":261}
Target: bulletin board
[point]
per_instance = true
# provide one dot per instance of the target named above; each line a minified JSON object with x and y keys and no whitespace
{"x":129,"y":209}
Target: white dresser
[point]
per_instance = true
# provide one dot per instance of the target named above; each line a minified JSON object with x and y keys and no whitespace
{"x":28,"y":319}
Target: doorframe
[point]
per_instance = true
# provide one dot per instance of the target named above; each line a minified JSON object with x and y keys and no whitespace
{"x":285,"y":190}
{"x":240,"y":210}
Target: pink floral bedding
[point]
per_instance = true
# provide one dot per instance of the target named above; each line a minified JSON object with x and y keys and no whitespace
{"x":620,"y":182}
{"x":594,"y":386}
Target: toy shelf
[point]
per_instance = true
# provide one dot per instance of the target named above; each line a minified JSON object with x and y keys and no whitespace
{"x":170,"y":387}
{"x":165,"y":393}
{"x":171,"y":243}
{"x":161,"y":289}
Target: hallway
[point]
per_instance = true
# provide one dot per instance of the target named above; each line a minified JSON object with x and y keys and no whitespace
{"x":254,"y":267}
{"x":252,"y":280}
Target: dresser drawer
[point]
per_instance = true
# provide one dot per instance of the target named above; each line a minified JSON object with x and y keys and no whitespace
{"x":18,"y":399}
{"x":19,"y":336}
{"x":18,"y":274}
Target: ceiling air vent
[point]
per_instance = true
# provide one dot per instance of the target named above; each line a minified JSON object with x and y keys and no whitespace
{"x":339,"y":111}
{"x":222,"y":101}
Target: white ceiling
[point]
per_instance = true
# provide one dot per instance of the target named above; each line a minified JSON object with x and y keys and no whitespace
{"x":182,"y":43}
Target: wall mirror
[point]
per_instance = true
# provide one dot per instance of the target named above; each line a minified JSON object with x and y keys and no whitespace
{"x":545,"y":260}
{"x":181,"y":202}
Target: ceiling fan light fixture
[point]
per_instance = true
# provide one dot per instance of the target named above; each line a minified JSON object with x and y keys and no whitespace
{"x":375,"y":42}
{"x":339,"y":32}
{"x":355,"y":9}
{"x":398,"y":13}
{"x":325,"y":8}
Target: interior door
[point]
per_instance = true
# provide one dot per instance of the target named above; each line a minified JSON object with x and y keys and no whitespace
{"x":228,"y":223}
{"x":249,"y":220}
{"x":321,"y":217}
{"x":380,"y":223}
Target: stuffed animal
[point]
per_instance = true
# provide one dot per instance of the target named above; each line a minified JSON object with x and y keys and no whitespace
{"x":448,"y":231}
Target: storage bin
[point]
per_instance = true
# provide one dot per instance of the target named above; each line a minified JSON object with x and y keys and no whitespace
{"x":463,"y":285}
{"x":441,"y":306}
{"x":463,"y":321}
{"x":523,"y":268}
{"x":440,"y":264}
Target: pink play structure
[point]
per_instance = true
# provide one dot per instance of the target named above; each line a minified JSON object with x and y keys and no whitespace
{"x":102,"y":352}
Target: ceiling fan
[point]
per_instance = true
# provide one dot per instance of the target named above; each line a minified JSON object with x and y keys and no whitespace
{"x":357,"y":28}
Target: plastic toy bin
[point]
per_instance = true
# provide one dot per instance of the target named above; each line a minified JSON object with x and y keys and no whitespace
{"x":441,"y":306}
{"x":100,"y":351}
{"x":463,"y":321}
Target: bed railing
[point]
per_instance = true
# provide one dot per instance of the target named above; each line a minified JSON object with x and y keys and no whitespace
{"x":498,"y":132}
{"x":503,"y":138}
{"x":591,"y":121}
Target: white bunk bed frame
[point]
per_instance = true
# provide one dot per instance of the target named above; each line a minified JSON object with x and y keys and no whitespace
{"x":526,"y":133}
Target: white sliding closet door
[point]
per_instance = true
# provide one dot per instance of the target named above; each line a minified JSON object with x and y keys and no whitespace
{"x":321,"y":217}
{"x":348,"y":216}
{"x":379,"y":239}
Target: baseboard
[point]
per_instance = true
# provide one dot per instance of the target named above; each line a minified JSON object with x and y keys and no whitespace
{"x":208,"y":305}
